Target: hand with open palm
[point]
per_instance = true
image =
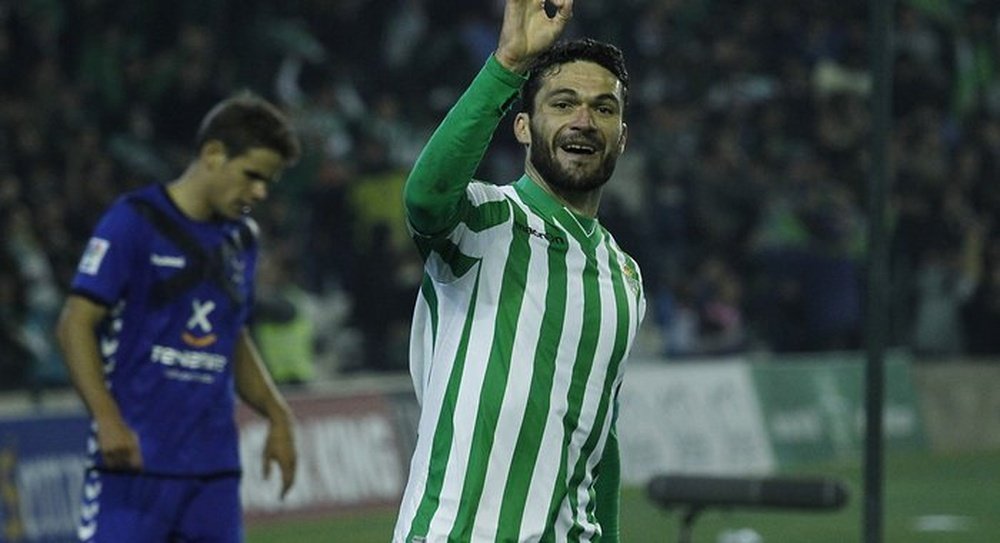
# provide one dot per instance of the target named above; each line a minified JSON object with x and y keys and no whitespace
{"x":528,"y":30}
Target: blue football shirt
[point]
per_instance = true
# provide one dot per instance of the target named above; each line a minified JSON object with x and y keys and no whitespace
{"x":169,"y":363}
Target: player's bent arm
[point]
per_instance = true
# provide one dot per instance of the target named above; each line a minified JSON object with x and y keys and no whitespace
{"x":257,"y":389}
{"x":607,"y":489}
{"x":435,"y":190}
{"x":76,"y":333}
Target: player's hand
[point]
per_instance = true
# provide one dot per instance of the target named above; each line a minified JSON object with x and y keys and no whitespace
{"x":118,"y":444}
{"x":280,"y":449}
{"x":527,"y":31}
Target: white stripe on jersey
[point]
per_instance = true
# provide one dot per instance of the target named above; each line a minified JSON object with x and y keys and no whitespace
{"x":476,"y":359}
{"x":588,"y":412}
{"x":515,"y":399}
{"x":544,"y":480}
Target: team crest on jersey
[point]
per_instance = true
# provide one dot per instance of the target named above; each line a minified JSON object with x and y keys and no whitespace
{"x":97,"y":248}
{"x":631,"y":275}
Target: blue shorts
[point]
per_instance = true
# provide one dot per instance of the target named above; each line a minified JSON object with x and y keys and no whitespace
{"x":119,"y":507}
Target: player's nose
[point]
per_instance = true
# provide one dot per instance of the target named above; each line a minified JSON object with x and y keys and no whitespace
{"x":259,"y":191}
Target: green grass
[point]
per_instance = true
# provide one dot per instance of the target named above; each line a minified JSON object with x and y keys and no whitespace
{"x":354,"y":528}
{"x":966,"y":486}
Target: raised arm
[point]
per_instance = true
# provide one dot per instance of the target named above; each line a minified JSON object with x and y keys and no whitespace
{"x":435,"y":190}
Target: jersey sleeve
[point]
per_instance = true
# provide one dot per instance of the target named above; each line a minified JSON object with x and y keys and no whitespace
{"x":104,"y":268}
{"x":435,"y":191}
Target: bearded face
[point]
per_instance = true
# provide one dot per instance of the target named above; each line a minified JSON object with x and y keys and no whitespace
{"x":575,"y":132}
{"x":574,"y":162}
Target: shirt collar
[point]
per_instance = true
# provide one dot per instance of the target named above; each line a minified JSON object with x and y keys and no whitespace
{"x":541,"y":200}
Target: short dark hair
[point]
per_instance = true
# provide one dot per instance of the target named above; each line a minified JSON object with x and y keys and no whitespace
{"x":564,"y":52}
{"x":246,"y":121}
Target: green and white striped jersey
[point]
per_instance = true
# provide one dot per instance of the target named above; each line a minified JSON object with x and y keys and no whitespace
{"x":525,"y":317}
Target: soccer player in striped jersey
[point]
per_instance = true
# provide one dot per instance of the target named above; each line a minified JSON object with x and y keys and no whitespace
{"x":528,"y":306}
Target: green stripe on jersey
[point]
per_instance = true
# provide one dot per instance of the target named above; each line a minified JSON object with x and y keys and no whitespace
{"x":582,"y":366}
{"x":618,"y":353}
{"x":443,"y":433}
{"x":529,"y":437}
{"x":430,"y":298}
{"x":488,"y":215}
{"x":515,"y":276}
{"x":483,"y":216}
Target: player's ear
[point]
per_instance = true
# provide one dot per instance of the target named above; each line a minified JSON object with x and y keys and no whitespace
{"x":522,"y":128}
{"x":213,"y":153}
{"x":623,"y":138}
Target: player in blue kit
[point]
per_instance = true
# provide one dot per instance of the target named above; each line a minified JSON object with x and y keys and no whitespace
{"x":155,"y":337}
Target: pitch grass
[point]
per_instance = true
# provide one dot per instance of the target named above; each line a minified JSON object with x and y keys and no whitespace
{"x":927,"y":499}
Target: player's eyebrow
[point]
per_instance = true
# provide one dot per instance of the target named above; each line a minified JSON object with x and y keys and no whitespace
{"x":567,"y":92}
{"x":257,"y":176}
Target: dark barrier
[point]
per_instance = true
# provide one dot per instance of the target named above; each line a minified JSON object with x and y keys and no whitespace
{"x":694,"y":494}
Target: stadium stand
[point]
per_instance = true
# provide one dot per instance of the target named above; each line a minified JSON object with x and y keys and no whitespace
{"x":742,"y":193}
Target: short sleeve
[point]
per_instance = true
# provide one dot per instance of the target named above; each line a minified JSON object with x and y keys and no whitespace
{"x":104,"y":268}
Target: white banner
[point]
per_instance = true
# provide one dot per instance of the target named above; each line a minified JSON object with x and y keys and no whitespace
{"x":699,"y":417}
{"x":350,"y":457}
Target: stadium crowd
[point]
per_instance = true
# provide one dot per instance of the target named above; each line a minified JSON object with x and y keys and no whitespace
{"x":743,"y":192}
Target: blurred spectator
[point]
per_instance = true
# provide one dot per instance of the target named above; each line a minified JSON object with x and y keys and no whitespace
{"x":719,"y":295}
{"x":197,"y":82}
{"x":981,"y":315}
{"x":42,"y":297}
{"x":17,"y":360}
{"x":947,"y":275}
{"x":675,"y":312}
{"x":283,"y":323}
{"x":385,"y":280}
{"x":977,"y":60}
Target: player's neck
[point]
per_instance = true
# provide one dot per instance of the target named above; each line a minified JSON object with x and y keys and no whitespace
{"x":188,"y":195}
{"x":583,"y":203}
